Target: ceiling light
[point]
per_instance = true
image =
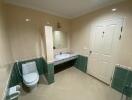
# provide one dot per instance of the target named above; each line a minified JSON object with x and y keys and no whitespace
{"x":114,"y":9}
{"x":27,"y":20}
{"x":48,"y":23}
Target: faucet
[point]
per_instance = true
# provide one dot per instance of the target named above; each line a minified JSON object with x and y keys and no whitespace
{"x":60,"y":53}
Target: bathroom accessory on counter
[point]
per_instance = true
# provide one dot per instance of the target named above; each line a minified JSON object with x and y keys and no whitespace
{"x":14,"y":92}
{"x":30,"y":74}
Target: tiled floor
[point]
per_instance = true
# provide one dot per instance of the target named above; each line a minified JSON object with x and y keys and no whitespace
{"x":72,"y":84}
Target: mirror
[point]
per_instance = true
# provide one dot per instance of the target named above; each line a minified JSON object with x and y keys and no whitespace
{"x":60,"y":40}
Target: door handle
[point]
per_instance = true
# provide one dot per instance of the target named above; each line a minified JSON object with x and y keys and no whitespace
{"x":90,"y":52}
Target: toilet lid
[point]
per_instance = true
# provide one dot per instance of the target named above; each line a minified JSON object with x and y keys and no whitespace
{"x":29,"y":78}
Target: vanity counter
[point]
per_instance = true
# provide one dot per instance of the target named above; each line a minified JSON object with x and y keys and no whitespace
{"x":5,"y":73}
{"x":61,"y":58}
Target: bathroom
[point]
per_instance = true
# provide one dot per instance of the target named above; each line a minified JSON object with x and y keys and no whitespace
{"x":60,"y":45}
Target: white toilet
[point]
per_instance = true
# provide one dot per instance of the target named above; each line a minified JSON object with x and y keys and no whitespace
{"x":30,"y":75}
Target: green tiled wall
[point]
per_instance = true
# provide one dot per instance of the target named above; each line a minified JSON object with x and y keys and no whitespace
{"x":42,"y":66}
{"x":50,"y":68}
{"x":81,"y":63}
{"x":128,"y":90}
{"x":39,"y":63}
{"x":15,"y":78}
{"x":122,"y":81}
{"x":48,"y":71}
{"x":50,"y":78}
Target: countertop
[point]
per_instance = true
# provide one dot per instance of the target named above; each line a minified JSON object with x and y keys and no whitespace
{"x":65,"y":59}
{"x":124,"y":67}
{"x":5,"y":72}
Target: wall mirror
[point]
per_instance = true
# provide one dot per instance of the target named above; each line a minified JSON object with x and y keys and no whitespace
{"x":60,"y":40}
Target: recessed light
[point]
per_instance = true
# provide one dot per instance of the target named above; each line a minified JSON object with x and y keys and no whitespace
{"x":114,"y":9}
{"x":48,"y":23}
{"x":27,"y":19}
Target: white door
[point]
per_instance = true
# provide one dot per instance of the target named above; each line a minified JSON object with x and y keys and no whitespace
{"x":105,"y":37}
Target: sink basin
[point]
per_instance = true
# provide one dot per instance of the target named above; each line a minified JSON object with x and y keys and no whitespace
{"x":62,"y":56}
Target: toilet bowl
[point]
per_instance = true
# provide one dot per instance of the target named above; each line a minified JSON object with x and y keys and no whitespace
{"x":30,"y":75}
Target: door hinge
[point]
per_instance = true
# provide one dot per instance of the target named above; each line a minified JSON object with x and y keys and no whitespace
{"x":120,"y":37}
{"x":121,"y":28}
{"x":90,"y":52}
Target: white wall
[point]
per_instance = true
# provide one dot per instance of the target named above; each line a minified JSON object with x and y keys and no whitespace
{"x":5,"y":51}
{"x":81,"y":28}
{"x":27,"y":38}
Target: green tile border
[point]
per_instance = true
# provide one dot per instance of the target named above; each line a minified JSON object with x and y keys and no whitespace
{"x":50,"y":73}
{"x":81,"y":63}
{"x":122,"y":81}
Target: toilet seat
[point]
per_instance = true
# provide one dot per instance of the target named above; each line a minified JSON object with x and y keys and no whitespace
{"x":30,"y":79}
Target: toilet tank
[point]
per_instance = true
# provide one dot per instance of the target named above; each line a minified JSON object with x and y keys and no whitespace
{"x":29,"y":67}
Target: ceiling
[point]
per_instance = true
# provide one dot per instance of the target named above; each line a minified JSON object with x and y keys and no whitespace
{"x":65,"y":8}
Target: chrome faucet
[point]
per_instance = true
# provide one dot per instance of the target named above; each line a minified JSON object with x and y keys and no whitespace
{"x":60,"y":53}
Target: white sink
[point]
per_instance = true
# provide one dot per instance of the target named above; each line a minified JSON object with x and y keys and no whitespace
{"x":64,"y":57}
{"x":61,"y":56}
